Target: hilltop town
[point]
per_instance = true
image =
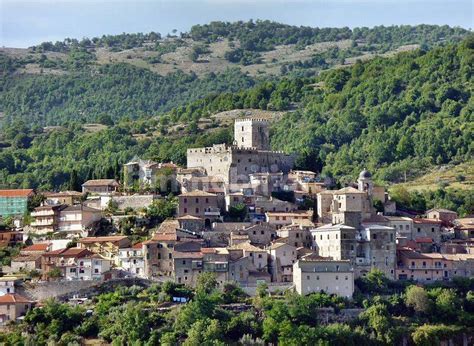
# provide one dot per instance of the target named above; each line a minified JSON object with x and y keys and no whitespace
{"x":239,"y":211}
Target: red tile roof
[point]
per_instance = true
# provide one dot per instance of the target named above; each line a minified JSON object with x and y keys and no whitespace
{"x":428,"y":221}
{"x":101,"y":182}
{"x":137,"y":246}
{"x":37,"y":247}
{"x":112,"y":238}
{"x":195,"y":255}
{"x":164,"y":237}
{"x":16,"y":193}
{"x":13,"y":298}
{"x":424,"y":240}
{"x":208,"y":250}
{"x":71,"y":252}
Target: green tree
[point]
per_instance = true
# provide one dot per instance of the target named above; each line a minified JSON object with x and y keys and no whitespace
{"x":417,"y":298}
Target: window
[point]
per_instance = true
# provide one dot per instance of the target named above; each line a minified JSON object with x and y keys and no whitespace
{"x":418,"y":230}
{"x":259,"y":256}
{"x":197,"y":210}
{"x":337,"y":277}
{"x":374,"y":236}
{"x":317,"y":277}
{"x":170,"y":256}
{"x":207,"y":200}
{"x":197,"y":200}
{"x":96,"y":271}
{"x":307,"y":278}
{"x":432,"y":229}
{"x":185,"y":210}
{"x":72,"y":270}
{"x":185,"y":200}
{"x":184,"y":261}
{"x":262,"y":232}
{"x":159,"y":256}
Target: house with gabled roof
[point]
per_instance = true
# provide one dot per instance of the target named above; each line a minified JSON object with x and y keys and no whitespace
{"x":13,"y":306}
{"x":100,"y":186}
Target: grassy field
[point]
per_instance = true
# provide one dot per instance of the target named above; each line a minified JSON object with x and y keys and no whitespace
{"x":212,"y":61}
{"x":457,"y":176}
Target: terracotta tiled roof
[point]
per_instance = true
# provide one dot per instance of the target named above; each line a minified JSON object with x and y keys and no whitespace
{"x":80,"y":207}
{"x":100,"y":182}
{"x":197,"y":193}
{"x":276,"y":245}
{"x":303,"y":222}
{"x":26,"y":258}
{"x":424,"y":240}
{"x":192,"y":255}
{"x":208,"y":250}
{"x":36,"y":247}
{"x":62,"y":194}
{"x":113,"y":238}
{"x":291,"y":214}
{"x":348,"y":189}
{"x":314,"y":257}
{"x":168,"y":226}
{"x":245,"y":246}
{"x":71,"y":252}
{"x":189,"y":217}
{"x":375,"y":219}
{"x":16,"y":193}
{"x":13,"y":298}
{"x":137,"y":246}
{"x":427,"y":221}
{"x":164,"y":237}
{"x":441,"y":210}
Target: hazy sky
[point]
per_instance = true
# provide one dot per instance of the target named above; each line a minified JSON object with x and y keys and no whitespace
{"x":28,"y":22}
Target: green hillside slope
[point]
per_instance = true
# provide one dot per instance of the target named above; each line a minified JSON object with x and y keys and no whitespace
{"x":397,"y":116}
{"x":142,"y":75}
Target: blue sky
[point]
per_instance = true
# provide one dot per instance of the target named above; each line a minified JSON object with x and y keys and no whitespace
{"x":25,"y":23}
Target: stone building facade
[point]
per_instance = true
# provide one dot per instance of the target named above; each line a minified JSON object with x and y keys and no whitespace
{"x":250,"y":153}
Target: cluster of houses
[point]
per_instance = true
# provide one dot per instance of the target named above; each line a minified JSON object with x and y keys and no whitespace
{"x":290,"y":229}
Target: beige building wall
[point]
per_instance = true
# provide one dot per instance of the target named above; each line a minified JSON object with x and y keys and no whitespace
{"x":13,"y":310}
{"x":332,"y":277}
{"x":252,"y":133}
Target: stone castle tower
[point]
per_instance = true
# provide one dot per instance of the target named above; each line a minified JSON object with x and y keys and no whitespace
{"x":252,"y":133}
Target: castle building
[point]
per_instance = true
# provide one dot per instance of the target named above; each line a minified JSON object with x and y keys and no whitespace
{"x":249,"y":154}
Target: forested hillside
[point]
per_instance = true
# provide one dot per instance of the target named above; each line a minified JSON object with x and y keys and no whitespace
{"x":144,"y":75}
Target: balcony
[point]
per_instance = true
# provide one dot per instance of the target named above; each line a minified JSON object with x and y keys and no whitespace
{"x":196,"y":265}
{"x":216,"y":266}
{"x":212,"y":212}
{"x":38,"y":223}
